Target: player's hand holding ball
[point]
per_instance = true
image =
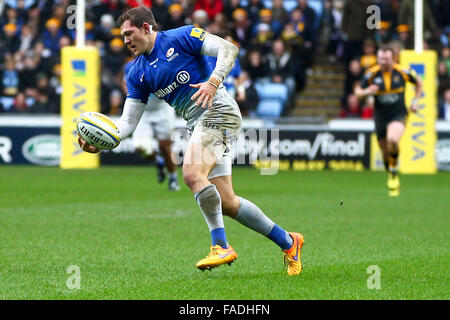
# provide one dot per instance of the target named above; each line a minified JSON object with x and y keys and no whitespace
{"x":86,"y":146}
{"x":97,"y":132}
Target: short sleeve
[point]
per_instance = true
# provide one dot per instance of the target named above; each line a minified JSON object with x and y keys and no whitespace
{"x":136,"y":86}
{"x":127,"y":70}
{"x":191,"y":39}
{"x":411,"y":75}
{"x":365,"y":81}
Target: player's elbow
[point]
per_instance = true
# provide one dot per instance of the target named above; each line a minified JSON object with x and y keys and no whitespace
{"x":235,"y":49}
{"x":232,"y":49}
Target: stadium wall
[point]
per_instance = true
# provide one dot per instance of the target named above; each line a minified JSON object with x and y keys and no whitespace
{"x":338,"y":145}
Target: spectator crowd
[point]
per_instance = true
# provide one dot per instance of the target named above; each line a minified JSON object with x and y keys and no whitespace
{"x":277,"y":44}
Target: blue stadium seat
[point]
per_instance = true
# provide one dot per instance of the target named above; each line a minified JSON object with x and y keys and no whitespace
{"x":269,"y":108}
{"x":274,"y":91}
{"x":287,"y":4}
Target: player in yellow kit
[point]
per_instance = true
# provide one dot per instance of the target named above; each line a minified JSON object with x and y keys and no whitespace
{"x":386,"y":81}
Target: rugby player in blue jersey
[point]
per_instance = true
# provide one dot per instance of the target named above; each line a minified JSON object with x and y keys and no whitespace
{"x":173,"y":65}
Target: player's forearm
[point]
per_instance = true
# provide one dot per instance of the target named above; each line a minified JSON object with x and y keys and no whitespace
{"x":419,"y":87}
{"x":361,"y":93}
{"x":132,"y":113}
{"x":226,"y":54}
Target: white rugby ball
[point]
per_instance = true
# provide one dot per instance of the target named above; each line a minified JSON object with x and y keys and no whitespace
{"x":98,"y":130}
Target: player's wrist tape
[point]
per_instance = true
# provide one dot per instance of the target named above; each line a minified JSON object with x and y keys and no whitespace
{"x":214,"y":82}
{"x":415,"y":100}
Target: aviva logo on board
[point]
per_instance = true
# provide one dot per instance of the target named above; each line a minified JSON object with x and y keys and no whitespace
{"x":419,"y":140}
{"x":79,"y":68}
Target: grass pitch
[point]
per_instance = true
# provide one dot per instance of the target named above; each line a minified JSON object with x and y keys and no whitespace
{"x":132,"y":239}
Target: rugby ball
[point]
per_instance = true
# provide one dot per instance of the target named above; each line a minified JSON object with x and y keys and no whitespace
{"x":98,"y":130}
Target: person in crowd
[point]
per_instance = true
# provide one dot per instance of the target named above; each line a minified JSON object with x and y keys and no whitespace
{"x":114,"y":59}
{"x":368,"y":108}
{"x":263,"y":40}
{"x":211,"y":7}
{"x":382,"y":34}
{"x":256,"y":66}
{"x":443,"y":78}
{"x":444,"y":105}
{"x":20,"y":104}
{"x":176,"y":16}
{"x":279,"y":13}
{"x":253,"y":8}
{"x":9,"y":82}
{"x":230,"y":7}
{"x":310,"y":18}
{"x":10,"y":43}
{"x":352,"y":108}
{"x":406,"y":17}
{"x":246,"y":94}
{"x":265,"y":16}
{"x":281,"y":65}
{"x":353,"y":75}
{"x":369,"y":58}
{"x":52,"y":34}
{"x":161,"y":12}
{"x":241,"y":30}
{"x":354,"y":27}
{"x":27,"y":38}
{"x":404,"y":36}
{"x":200,"y":18}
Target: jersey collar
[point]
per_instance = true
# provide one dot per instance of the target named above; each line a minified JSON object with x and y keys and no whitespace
{"x":152,"y":52}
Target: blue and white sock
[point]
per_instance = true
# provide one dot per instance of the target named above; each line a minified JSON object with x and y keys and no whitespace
{"x":160,"y":160}
{"x":251,"y":216}
{"x":211,"y":205}
{"x":173,"y":176}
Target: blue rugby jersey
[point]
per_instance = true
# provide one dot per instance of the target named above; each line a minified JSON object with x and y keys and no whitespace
{"x":174,"y":62}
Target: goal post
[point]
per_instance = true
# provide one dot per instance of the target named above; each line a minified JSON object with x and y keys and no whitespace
{"x":80,"y":80}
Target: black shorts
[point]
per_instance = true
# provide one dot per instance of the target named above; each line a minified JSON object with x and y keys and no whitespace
{"x":382,"y":119}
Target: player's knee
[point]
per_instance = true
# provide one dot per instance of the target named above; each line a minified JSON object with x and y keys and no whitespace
{"x":392,"y":142}
{"x":192,"y":178}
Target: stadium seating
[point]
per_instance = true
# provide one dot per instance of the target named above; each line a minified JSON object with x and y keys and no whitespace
{"x":273,"y":97}
{"x":287,"y":4}
{"x":273,"y":91}
{"x":269,"y":108}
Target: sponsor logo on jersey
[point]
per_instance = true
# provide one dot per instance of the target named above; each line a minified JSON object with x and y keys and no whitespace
{"x":198,"y":33}
{"x":161,"y":93}
{"x":170,"y":52}
{"x":173,"y":57}
{"x":378,"y":80}
{"x":183,"y":77}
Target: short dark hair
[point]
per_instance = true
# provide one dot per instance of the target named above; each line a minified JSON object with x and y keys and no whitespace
{"x":137,"y":17}
{"x":385,"y":47}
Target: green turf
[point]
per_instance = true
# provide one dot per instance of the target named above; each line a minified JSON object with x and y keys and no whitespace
{"x":132,"y":239}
